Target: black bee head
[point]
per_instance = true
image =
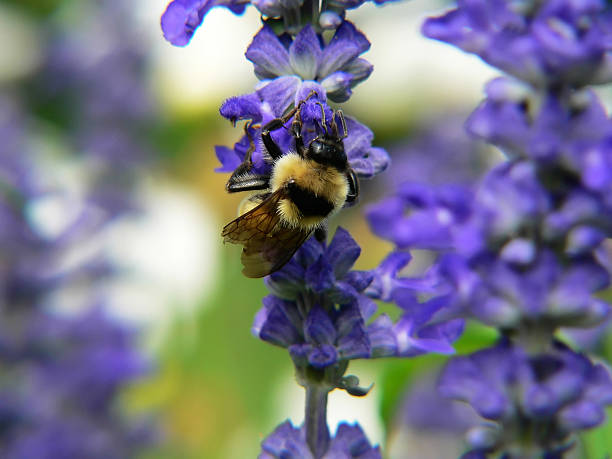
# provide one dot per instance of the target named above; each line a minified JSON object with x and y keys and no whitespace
{"x":329,"y":151}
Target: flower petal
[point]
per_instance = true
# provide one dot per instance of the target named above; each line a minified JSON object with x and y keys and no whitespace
{"x":305,"y":53}
{"x":269,"y":55}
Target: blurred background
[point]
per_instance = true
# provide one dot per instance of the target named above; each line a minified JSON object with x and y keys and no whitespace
{"x":125,"y":319}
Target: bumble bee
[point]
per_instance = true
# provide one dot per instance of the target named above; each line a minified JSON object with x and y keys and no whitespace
{"x":304,"y":189}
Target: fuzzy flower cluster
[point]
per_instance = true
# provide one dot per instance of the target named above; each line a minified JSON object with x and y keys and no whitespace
{"x":546,"y":43}
{"x":523,"y":249}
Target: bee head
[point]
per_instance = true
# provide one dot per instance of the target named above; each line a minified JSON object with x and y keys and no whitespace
{"x":329,"y":151}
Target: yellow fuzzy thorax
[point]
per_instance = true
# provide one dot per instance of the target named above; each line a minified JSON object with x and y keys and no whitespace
{"x":324,"y":181}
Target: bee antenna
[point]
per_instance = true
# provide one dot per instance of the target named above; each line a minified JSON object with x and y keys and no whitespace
{"x":343,"y":121}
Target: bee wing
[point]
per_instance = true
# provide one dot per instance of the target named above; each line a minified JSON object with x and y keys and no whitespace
{"x":268,"y":244}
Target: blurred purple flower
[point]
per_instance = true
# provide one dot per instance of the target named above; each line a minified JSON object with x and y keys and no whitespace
{"x":60,"y":382}
{"x":545,"y":43}
{"x":509,"y":247}
{"x":427,"y":425}
{"x":425,"y":409}
{"x":559,"y":390}
{"x":100,"y":99}
{"x":439,"y":152}
{"x":288,"y":442}
{"x":61,"y":375}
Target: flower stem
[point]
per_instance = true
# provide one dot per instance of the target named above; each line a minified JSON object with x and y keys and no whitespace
{"x":315,"y":420}
{"x":311,"y":12}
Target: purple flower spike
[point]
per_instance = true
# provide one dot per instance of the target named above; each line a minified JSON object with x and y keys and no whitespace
{"x":183,"y":17}
{"x":524,"y":255}
{"x":288,"y":442}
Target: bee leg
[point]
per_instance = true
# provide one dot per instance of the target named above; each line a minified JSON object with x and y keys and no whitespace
{"x":321,"y":233}
{"x":296,"y":130}
{"x":272,"y":148}
{"x":242,"y":179}
{"x":247,"y":182}
{"x":353,"y":183}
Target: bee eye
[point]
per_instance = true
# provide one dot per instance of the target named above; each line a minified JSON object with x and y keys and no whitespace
{"x":327,"y":152}
{"x":320,"y":149}
{"x":317,"y":148}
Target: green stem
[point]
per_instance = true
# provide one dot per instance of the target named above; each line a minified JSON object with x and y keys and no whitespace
{"x":311,"y":12}
{"x":315,"y":420}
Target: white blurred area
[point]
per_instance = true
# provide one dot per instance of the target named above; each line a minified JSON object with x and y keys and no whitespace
{"x":167,"y":253}
{"x":410,"y":71}
{"x":208,"y":70}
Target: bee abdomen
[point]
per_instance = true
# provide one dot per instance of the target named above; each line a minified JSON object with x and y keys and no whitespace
{"x":308,"y":203}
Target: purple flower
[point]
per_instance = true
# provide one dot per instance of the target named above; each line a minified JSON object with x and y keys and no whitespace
{"x":319,"y":338}
{"x":545,"y":43}
{"x":324,"y":270}
{"x":560,"y":391}
{"x":271,"y":101}
{"x":523,"y":252}
{"x":422,"y":328}
{"x":289,"y":442}
{"x":183,"y":17}
{"x":548,"y":130}
{"x":425,"y":424}
{"x":301,"y":313}
{"x":65,"y":373}
{"x":335,"y":66}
